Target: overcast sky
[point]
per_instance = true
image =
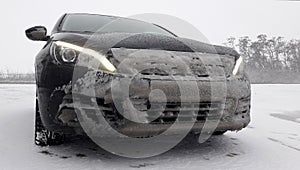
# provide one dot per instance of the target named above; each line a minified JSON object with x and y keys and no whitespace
{"x":217,"y":20}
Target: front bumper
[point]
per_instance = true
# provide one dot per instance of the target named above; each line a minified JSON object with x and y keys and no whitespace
{"x":95,"y":87}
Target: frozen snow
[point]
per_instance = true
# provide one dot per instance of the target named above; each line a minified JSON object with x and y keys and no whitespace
{"x":271,"y":141}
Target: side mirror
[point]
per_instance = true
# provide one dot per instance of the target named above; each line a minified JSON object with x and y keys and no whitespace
{"x":37,"y":33}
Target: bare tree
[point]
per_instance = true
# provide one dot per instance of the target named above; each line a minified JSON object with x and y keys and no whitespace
{"x":268,"y":53}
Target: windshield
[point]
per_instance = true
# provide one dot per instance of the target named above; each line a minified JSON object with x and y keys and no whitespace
{"x":100,"y":23}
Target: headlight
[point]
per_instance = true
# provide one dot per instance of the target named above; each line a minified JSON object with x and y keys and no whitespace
{"x":64,"y":52}
{"x":238,"y":67}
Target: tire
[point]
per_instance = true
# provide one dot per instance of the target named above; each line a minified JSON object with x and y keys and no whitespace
{"x":217,"y":133}
{"x":44,"y":137}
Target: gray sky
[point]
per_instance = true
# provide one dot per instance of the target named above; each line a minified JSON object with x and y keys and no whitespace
{"x":216,"y":19}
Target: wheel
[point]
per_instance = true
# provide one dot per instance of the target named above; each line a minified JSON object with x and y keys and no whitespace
{"x":219,"y":132}
{"x":44,"y":137}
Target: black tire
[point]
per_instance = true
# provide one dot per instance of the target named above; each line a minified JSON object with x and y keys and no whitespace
{"x":219,"y":132}
{"x":44,"y":137}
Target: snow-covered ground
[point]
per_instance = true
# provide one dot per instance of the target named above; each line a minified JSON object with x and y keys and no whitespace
{"x":272,"y":141}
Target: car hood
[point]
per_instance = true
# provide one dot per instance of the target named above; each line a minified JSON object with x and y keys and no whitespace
{"x":155,"y":54}
{"x":106,"y":41}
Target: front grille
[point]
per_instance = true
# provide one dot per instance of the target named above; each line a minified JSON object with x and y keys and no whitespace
{"x":170,"y":112}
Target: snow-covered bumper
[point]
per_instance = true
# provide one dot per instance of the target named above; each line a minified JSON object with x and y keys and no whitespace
{"x":231,"y":107}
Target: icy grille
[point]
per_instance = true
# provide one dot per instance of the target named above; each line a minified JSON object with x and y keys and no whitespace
{"x":158,"y":113}
{"x":176,"y":111}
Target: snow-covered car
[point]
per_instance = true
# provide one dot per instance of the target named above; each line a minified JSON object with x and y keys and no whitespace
{"x":156,"y":57}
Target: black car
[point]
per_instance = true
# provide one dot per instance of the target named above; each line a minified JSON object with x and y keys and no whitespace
{"x":153,"y":58}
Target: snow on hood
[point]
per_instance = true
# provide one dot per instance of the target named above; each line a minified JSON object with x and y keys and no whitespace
{"x":105,"y":41}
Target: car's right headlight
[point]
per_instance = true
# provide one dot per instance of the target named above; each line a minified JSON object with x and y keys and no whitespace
{"x":238,"y":68}
{"x":64,"y":52}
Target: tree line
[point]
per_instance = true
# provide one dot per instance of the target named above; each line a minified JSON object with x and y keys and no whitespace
{"x":265,"y":53}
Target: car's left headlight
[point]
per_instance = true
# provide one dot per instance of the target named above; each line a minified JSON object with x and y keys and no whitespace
{"x":64,"y":52}
{"x":238,"y":66}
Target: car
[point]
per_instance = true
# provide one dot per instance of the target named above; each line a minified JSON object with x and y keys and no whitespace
{"x":161,"y":66}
